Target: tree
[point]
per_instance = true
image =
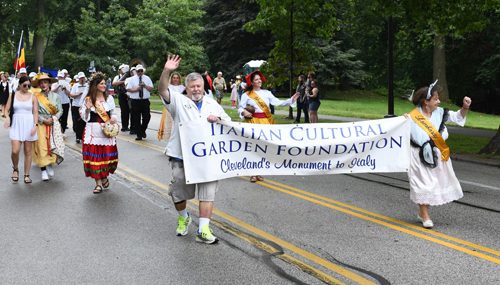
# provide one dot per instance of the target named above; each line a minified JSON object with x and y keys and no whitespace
{"x":161,"y":28}
{"x":442,"y":18}
{"x":294,"y":23}
{"x":228,"y":45}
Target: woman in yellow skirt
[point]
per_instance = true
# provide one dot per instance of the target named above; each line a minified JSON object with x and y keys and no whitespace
{"x":254,"y":104}
{"x":48,"y":149}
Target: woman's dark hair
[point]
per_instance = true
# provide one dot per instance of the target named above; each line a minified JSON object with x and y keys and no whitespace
{"x":421,"y":95}
{"x":250,"y":86}
{"x":24,"y":79}
{"x":206,"y":85}
{"x":93,"y":88}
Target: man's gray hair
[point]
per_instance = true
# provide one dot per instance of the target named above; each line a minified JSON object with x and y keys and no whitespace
{"x":219,"y":73}
{"x":194,"y":76}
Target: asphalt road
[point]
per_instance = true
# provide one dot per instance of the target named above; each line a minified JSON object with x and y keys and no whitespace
{"x":338,"y":229}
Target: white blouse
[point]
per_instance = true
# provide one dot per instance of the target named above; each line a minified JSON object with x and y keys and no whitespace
{"x":267,"y":97}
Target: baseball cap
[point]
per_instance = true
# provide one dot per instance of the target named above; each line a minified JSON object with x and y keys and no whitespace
{"x":22,"y":70}
{"x":81,"y":74}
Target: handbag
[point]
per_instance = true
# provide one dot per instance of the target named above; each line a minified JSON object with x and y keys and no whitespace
{"x":111,"y":130}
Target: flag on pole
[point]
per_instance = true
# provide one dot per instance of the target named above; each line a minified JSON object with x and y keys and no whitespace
{"x":20,"y":63}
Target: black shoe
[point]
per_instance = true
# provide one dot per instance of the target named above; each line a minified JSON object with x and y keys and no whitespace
{"x":133,"y":133}
{"x":138,"y":139}
{"x":126,"y":130}
{"x":296,"y":122}
{"x":144,"y":135}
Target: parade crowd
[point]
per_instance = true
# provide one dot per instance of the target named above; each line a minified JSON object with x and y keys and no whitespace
{"x":36,"y":109}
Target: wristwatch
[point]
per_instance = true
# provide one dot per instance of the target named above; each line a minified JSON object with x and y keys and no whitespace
{"x":36,"y":125}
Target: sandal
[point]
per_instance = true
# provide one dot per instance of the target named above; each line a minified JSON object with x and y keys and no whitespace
{"x":29,"y":179}
{"x":14,"y":178}
{"x":253,"y":179}
{"x":106,"y":184}
{"x":260,"y":178}
{"x":98,"y":189}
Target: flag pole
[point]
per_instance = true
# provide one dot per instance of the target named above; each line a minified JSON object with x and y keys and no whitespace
{"x":18,"y":54}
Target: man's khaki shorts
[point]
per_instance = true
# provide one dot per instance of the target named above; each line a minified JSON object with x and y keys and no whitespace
{"x":180,"y":191}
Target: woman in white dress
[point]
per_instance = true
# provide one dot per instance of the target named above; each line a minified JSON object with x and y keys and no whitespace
{"x":234,"y":93}
{"x":432,"y":179}
{"x":261,"y":113}
{"x":23,"y":111}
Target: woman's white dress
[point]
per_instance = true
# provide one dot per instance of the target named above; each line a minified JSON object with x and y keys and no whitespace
{"x":22,"y":121}
{"x":439,"y":185}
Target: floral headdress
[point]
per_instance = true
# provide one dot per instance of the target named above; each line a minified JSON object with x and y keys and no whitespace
{"x":96,"y":75}
{"x":40,"y":74}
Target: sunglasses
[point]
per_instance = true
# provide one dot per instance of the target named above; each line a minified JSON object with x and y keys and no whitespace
{"x":26,"y":85}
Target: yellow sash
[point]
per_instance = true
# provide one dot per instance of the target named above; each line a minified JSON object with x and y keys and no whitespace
{"x":46,"y":103}
{"x":99,"y":110}
{"x":254,"y":96}
{"x":434,"y":134}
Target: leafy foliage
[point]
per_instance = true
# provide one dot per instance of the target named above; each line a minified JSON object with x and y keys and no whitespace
{"x":304,"y":19}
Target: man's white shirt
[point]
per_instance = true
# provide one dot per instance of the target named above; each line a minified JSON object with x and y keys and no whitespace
{"x":78,"y":101}
{"x":62,"y":94}
{"x":134,"y":83}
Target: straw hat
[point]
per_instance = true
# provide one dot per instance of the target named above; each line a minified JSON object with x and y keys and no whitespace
{"x":42,"y":76}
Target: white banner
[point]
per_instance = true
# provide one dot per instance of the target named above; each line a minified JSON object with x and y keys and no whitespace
{"x":227,"y":149}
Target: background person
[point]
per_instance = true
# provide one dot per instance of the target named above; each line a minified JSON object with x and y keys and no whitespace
{"x":4,"y":93}
{"x":262,"y":115}
{"x":62,"y":89}
{"x":166,"y":122}
{"x":140,"y":87}
{"x":234,"y":93}
{"x":219,"y":84}
{"x":23,"y":127}
{"x":100,"y":153}
{"x":302,"y":101}
{"x":48,"y":149}
{"x":313,"y":98}
{"x":122,"y":96}
{"x":78,"y":93}
{"x":432,"y":179}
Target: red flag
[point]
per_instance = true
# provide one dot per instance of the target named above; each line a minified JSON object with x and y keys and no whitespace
{"x":20,"y":63}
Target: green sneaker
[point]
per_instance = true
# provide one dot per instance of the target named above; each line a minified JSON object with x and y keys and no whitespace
{"x":206,"y":235}
{"x":183,"y":223}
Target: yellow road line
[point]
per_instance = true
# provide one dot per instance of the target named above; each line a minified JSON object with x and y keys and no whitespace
{"x":317,"y":273}
{"x":398,"y":228}
{"x":489,"y":250}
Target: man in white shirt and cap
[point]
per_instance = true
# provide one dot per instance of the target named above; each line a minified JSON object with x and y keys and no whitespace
{"x":194,"y":106}
{"x":140,"y":87}
{"x":15,"y":82}
{"x":78,"y":93}
{"x":61,"y":87}
{"x":120,"y":90}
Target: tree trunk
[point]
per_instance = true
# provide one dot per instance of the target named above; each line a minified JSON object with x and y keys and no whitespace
{"x":493,"y":147}
{"x":39,"y":42}
{"x":439,"y":68}
{"x":27,"y":37}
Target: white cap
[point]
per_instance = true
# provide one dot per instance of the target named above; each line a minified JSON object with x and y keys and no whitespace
{"x":60,"y":74}
{"x":64,"y":71}
{"x":139,"y":67}
{"x":121,"y":66}
{"x":81,"y":74}
{"x":124,"y":68}
{"x":22,"y":70}
{"x":75,"y":77}
{"x":133,"y":68}
{"x":32,"y":74}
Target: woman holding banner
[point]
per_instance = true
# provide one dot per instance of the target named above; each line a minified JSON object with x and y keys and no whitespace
{"x":49,"y":148}
{"x":100,"y":153}
{"x":254,"y":104}
{"x":432,"y":179}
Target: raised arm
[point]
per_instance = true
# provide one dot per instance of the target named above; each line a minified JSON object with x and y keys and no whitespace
{"x":170,"y":65}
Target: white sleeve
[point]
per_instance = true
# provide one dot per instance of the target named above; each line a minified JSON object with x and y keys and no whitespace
{"x":456,"y":117}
